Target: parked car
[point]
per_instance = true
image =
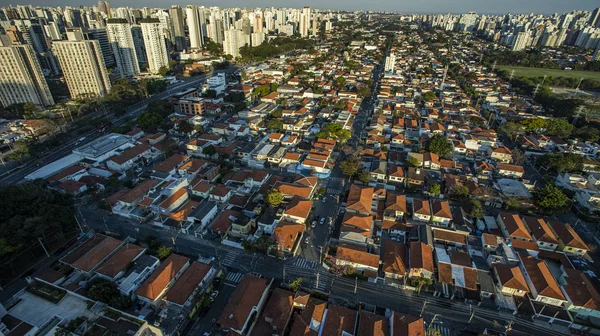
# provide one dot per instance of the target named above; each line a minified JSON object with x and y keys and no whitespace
{"x":322,"y":221}
{"x":314,"y":223}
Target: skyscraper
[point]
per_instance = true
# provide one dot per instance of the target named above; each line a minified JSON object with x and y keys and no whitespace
{"x":138,"y":44}
{"x":154,"y":41}
{"x":194,"y":26}
{"x":21,"y":77}
{"x":83,"y":66}
{"x":121,"y":41}
{"x":176,"y":14}
{"x":234,"y":40}
{"x":101,"y":36}
{"x":304,"y":21}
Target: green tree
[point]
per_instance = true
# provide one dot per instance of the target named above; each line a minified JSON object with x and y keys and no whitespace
{"x":107,"y":292}
{"x":534,"y":124}
{"x":163,"y":252}
{"x":435,"y":189}
{"x":209,"y":150}
{"x":364,"y":177}
{"x":350,"y":166}
{"x":148,"y":120}
{"x":588,"y":133}
{"x":275,"y":124}
{"x":429,"y":96}
{"x":473,"y":208}
{"x":295,"y":285}
{"x":210,"y":93}
{"x":559,"y":127}
{"x":163,"y":71}
{"x":512,"y":203}
{"x":459,"y":192}
{"x":564,"y":162}
{"x":550,"y":199}
{"x":274,"y":197}
{"x":413,"y":162}
{"x":185,"y":127}
{"x":340,"y":81}
{"x":439,"y":145}
{"x":512,"y":129}
{"x":277,"y":113}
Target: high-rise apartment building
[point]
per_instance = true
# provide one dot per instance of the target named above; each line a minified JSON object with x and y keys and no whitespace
{"x":154,"y":41}
{"x":82,"y":65}
{"x":121,"y":41}
{"x":234,"y":40}
{"x":176,"y":14}
{"x":138,"y":44}
{"x":305,"y":21}
{"x":194,"y":27}
{"x":390,"y":62}
{"x":21,"y":77}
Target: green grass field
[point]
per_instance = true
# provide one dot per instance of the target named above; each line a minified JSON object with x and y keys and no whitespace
{"x":539,"y":72}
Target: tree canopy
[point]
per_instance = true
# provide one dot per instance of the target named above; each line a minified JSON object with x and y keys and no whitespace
{"x":439,"y":145}
{"x":550,"y":199}
{"x":334,"y":131}
{"x":350,"y":166}
{"x":274,"y":197}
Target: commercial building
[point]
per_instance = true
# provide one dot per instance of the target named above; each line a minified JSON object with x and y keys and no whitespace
{"x":194,"y":27}
{"x":21,"y":77}
{"x":82,"y":65}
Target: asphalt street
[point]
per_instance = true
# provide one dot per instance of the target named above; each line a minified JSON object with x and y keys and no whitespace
{"x":341,"y":289}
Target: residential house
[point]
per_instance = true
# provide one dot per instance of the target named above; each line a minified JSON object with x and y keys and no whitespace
{"x":245,"y":304}
{"x":420,"y":260}
{"x":542,"y":284}
{"x":159,"y":282}
{"x":512,"y":226}
{"x":421,"y":210}
{"x":510,"y":280}
{"x":440,"y":211}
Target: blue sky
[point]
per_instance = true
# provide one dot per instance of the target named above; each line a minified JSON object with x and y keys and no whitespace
{"x":420,"y":6}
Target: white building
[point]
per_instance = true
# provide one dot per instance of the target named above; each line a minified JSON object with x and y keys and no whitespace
{"x":234,"y":40}
{"x":305,"y":21}
{"x":217,"y":83}
{"x":82,"y":65}
{"x":156,"y":48}
{"x":390,"y":62}
{"x":123,"y":46}
{"x":257,"y":38}
{"x":21,"y":77}
{"x":194,"y":26}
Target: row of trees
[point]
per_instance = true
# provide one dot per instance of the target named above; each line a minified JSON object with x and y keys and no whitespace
{"x":274,"y":47}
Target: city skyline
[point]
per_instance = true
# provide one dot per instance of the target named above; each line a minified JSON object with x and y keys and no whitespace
{"x":420,"y":7}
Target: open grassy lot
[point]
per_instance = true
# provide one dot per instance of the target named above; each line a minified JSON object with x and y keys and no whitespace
{"x":540,"y":72}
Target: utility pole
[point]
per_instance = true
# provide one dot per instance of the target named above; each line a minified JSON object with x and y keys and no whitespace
{"x":512,"y":74}
{"x":317,"y":282}
{"x":537,"y":87}
{"x":494,"y":66}
{"x":355,"y":285}
{"x":472,"y":314}
{"x":284,"y":273}
{"x":423,"y":309}
{"x":580,"y":80}
{"x":431,"y":323}
{"x":47,"y":254}
{"x":578,"y":114}
{"x":543,"y":80}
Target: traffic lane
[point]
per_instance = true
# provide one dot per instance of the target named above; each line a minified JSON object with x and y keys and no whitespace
{"x":205,"y":324}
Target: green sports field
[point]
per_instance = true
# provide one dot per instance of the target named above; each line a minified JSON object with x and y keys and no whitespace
{"x":540,"y":72}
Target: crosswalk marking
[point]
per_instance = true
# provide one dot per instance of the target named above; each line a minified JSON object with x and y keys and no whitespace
{"x":334,"y":191}
{"x":303,"y":263}
{"x":227,"y":258}
{"x":443,"y":331}
{"x":233,"y":278}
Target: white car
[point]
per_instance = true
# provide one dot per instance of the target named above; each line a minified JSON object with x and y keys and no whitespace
{"x":314,"y":223}
{"x":324,"y":199}
{"x":322,"y":221}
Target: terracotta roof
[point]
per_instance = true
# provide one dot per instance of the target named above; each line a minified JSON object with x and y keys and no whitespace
{"x":445,"y":273}
{"x":407,"y":325}
{"x":203,"y":187}
{"x":286,"y":233}
{"x":171,"y":163}
{"x":298,"y":207}
{"x":160,"y":278}
{"x":339,"y":320}
{"x":540,"y":229}
{"x":568,"y":236}
{"x":395,"y":202}
{"x":66,"y":172}
{"x":394,"y":257}
{"x":362,"y":222}
{"x":279,"y":307}
{"x":357,"y":254}
{"x":515,"y":226}
{"x":220,"y":190}
{"x":130,"y":153}
{"x":441,"y":208}
{"x":119,"y":261}
{"x":293,"y":189}
{"x":541,"y":277}
{"x":223,"y":223}
{"x":373,"y":325}
{"x":187,"y":283}
{"x":360,"y":198}
{"x":139,"y":190}
{"x":490,"y":239}
{"x":246,"y":296}
{"x":92,"y":252}
{"x":449,"y":236}
{"x":173,"y":198}
{"x":421,"y":256}
{"x":421,"y":207}
{"x":509,"y":167}
{"x":314,"y":310}
{"x":461,"y":259}
{"x":511,"y":276}
{"x":580,"y":290}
